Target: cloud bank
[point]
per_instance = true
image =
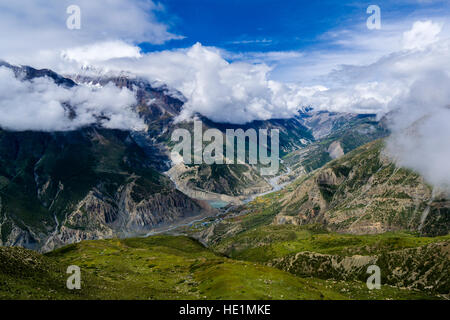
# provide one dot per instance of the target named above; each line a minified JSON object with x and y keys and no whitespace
{"x":102,"y":51}
{"x":420,"y":137}
{"x":241,"y":91}
{"x":39,"y":26}
{"x":411,"y":87}
{"x":233,"y":92}
{"x":41,"y":105}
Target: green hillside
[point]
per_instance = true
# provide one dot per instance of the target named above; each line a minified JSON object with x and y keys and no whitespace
{"x":165,"y":267}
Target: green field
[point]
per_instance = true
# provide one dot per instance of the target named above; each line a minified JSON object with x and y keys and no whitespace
{"x":275,"y":241}
{"x":165,"y":267}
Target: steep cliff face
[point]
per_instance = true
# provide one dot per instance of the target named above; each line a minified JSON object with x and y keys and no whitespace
{"x":364,"y":192}
{"x":93,"y":183}
{"x":100,"y":217}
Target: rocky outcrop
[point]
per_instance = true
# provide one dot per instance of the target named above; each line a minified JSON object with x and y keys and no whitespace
{"x":313,"y":264}
{"x":422,"y":268}
{"x":16,"y":236}
{"x":99,"y":216}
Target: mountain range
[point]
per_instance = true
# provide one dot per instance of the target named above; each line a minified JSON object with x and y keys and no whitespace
{"x":339,"y":204}
{"x":94,"y":182}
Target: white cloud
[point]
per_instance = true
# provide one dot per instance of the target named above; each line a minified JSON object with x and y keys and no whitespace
{"x":379,"y":87}
{"x":241,"y":91}
{"x":234,"y":92}
{"x":41,"y":105}
{"x":102,"y":51}
{"x":357,"y":47}
{"x":253,"y":41}
{"x":412,"y":84}
{"x":421,"y":133}
{"x":263,"y":57}
{"x":422,"y":34}
{"x":34,"y":32}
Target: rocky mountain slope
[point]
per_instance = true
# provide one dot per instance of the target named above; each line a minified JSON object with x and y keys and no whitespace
{"x":93,"y":183}
{"x":348,"y":132}
{"x":422,"y":268}
{"x":300,"y":151}
{"x":364,"y":192}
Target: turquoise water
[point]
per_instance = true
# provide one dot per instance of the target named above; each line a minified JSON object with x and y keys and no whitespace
{"x":217,"y":204}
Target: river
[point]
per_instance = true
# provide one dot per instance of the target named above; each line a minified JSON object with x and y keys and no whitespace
{"x":274,"y":182}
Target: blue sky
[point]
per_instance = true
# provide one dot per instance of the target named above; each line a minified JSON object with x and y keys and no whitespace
{"x":267,"y":25}
{"x":299,"y":40}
